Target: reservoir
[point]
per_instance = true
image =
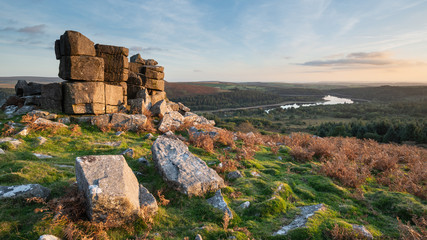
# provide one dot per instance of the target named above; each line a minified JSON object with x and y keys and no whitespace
{"x":329,"y":100}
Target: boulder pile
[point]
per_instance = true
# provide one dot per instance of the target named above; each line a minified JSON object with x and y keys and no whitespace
{"x":100,"y":80}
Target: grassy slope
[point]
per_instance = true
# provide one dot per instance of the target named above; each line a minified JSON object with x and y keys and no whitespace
{"x":184,"y":217}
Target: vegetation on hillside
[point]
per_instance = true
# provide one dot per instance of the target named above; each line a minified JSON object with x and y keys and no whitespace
{"x":380,"y":186}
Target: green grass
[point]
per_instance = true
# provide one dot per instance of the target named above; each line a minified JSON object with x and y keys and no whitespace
{"x":185,"y":217}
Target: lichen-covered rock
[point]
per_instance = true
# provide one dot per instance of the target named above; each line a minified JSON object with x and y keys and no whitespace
{"x":160,"y":109}
{"x":137,"y":59}
{"x":84,"y":97}
{"x":301,"y":220}
{"x":51,"y":97}
{"x":110,"y":188}
{"x":234,"y":175}
{"x":183,"y":170}
{"x":217,"y":201}
{"x":42,"y":122}
{"x":129,"y":122}
{"x":147,"y":201}
{"x":171,"y":121}
{"x":73,"y":43}
{"x":196,"y":119}
{"x":12,"y":141}
{"x":24,"y":191}
{"x":82,"y":68}
{"x":362,"y":230}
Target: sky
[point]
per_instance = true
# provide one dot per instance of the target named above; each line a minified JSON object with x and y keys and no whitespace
{"x":230,"y":40}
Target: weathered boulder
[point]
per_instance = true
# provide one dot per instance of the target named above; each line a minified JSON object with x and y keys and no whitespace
{"x":42,"y":156}
{"x":154,"y":74}
{"x":139,"y":105}
{"x":113,"y":63}
{"x":113,"y":50}
{"x":110,"y":188}
{"x":82,"y":68}
{"x":73,"y":43}
{"x":113,"y":98}
{"x":154,"y":84}
{"x":116,"y":77}
{"x":129,"y":122}
{"x":151,"y":62}
{"x":84,"y":97}
{"x":217,"y":201}
{"x":174,"y":106}
{"x":158,"y":96}
{"x":196,"y":119}
{"x":51,"y":97}
{"x":32,"y":100}
{"x":147,"y":201}
{"x":24,"y":191}
{"x":101,"y":120}
{"x":23,"y":110}
{"x":132,"y":90}
{"x":24,"y":132}
{"x":161,"y":108}
{"x":134,"y":78}
{"x":41,"y":141}
{"x":135,"y":67}
{"x":301,"y":220}
{"x":42,"y":122}
{"x":183,"y":170}
{"x":183,"y":108}
{"x":19,"y":87}
{"x":171,"y":121}
{"x":147,"y":67}
{"x":137,"y":59}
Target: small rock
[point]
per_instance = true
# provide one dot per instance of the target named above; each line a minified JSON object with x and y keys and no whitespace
{"x":220,"y":165}
{"x":15,"y":142}
{"x":301,"y":220}
{"x":169,"y":133}
{"x":234,"y":174}
{"x":198,"y":237}
{"x":119,"y":133}
{"x":64,"y":166}
{"x":147,"y":201}
{"x":41,"y":140}
{"x":64,"y":120}
{"x":255,"y":174}
{"x":10,"y":110}
{"x":128,"y":152}
{"x":232,"y":237}
{"x":138,"y":173}
{"x":48,"y":237}
{"x":362,"y":230}
{"x":23,"y":110}
{"x":39,"y":114}
{"x":280,"y":158}
{"x":24,"y":132}
{"x":110,"y":144}
{"x":143,"y":161}
{"x":218,"y":201}
{"x":42,"y":122}
{"x":42,"y":156}
{"x":24,"y":191}
{"x":2,"y":151}
{"x":149,"y":136}
{"x":245,"y":205}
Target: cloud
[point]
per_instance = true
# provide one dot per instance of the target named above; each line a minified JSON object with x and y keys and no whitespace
{"x":197,"y":70}
{"x":37,"y":29}
{"x":360,"y":59}
{"x":146,"y":50}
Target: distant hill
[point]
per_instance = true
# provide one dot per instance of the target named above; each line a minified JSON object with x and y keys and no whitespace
{"x":176,"y":90}
{"x":9,"y":82}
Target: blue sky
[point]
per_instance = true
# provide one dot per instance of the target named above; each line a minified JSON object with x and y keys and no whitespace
{"x":240,"y":40}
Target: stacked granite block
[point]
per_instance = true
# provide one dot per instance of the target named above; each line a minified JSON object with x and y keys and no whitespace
{"x":96,"y":76}
{"x":116,"y":66}
{"x":145,"y":85}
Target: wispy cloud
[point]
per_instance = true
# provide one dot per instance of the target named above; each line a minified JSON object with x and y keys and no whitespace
{"x":146,"y":50}
{"x":37,"y":29}
{"x":361,"y":60}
